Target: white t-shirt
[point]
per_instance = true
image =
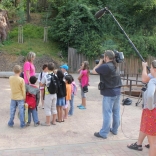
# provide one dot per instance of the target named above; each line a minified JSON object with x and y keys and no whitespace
{"x":40,"y":77}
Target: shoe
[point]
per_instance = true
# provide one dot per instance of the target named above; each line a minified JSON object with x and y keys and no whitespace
{"x":53,"y":123}
{"x":45,"y":124}
{"x":135,"y":147}
{"x":36,"y":124}
{"x":79,"y":105}
{"x":99,"y":136}
{"x":147,"y":146}
{"x":42,"y":107}
{"x":27,"y":124}
{"x":113,"y":132}
{"x":82,"y":107}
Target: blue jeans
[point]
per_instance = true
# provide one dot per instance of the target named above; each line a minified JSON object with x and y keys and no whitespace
{"x":71,"y":105}
{"x":111,"y":112}
{"x":34,"y":115}
{"x":13,"y":105}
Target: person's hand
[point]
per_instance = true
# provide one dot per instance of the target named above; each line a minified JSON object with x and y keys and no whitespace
{"x":100,"y":61}
{"x":144,"y":64}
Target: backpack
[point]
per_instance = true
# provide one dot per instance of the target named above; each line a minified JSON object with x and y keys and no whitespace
{"x":74,"y":88}
{"x":31,"y":100}
{"x":53,"y":86}
{"x":61,"y":89}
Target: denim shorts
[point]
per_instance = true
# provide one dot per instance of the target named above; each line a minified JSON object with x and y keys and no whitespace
{"x":61,"y":101}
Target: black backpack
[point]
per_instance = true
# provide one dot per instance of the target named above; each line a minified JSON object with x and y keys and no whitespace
{"x":53,"y":86}
{"x":61,"y":89}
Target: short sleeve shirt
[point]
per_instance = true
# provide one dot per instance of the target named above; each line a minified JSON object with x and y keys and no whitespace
{"x":28,"y":66}
{"x":104,"y":70}
{"x":84,"y":78}
{"x":46,"y":80}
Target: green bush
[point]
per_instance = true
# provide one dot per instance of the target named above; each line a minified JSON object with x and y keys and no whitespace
{"x":29,"y":31}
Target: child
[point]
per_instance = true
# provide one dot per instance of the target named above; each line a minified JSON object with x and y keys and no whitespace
{"x":33,"y":89}
{"x":50,"y":98}
{"x":64,"y":69}
{"x":17,"y":86}
{"x":84,"y":81}
{"x":61,"y":94}
{"x":68,"y":82}
{"x":74,"y":90}
{"x":40,"y":76}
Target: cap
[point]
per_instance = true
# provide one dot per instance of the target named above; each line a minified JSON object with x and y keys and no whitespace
{"x":64,"y":66}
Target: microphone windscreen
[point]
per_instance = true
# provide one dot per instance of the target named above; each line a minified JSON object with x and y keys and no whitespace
{"x":100,"y":13}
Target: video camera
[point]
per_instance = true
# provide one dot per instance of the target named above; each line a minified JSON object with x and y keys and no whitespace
{"x":119,"y":57}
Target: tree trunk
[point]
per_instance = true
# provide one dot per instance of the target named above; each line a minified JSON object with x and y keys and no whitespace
{"x":28,"y":10}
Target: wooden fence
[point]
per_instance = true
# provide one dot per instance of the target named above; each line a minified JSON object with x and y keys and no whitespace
{"x":131,"y":65}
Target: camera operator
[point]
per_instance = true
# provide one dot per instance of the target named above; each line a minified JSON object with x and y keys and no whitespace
{"x":110,"y":85}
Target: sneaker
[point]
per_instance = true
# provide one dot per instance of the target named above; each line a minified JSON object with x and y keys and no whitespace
{"x":99,"y":136}
{"x":27,"y":124}
{"x":45,"y":124}
{"x":79,"y":105}
{"x":36,"y":124}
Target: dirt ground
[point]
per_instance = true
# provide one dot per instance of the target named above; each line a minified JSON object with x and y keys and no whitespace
{"x":8,"y":61}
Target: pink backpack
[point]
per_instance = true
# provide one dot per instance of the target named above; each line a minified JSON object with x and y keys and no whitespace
{"x":74,"y":88}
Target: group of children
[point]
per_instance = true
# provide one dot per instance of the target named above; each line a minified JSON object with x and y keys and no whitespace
{"x":55,"y":104}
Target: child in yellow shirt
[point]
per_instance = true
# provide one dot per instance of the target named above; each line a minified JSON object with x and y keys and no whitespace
{"x":68,"y":82}
{"x":17,"y":86}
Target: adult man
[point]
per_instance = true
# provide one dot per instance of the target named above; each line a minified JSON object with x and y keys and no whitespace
{"x":110,"y":84}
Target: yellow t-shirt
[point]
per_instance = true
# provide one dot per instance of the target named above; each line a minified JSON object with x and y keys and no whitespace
{"x":17,"y":86}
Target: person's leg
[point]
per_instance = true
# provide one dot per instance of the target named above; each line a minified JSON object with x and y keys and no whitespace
{"x":71,"y":105}
{"x":107,"y":106}
{"x":35,"y":116}
{"x":61,"y":113}
{"x":58,"y":113}
{"x":29,"y":116}
{"x":53,"y":109}
{"x":47,"y":109}
{"x":13,"y":106}
{"x":83,"y":96}
{"x":141,"y":138}
{"x":152,"y":142}
{"x":21,"y":111}
{"x":42,"y":97}
{"x":116,"y":115}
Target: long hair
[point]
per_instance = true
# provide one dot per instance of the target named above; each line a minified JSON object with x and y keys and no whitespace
{"x":86,"y":66}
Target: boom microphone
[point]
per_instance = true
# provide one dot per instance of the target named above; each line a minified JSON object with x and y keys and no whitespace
{"x":100,"y":13}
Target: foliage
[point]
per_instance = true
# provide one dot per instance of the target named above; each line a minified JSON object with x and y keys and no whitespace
{"x":29,"y":31}
{"x":76,"y":26}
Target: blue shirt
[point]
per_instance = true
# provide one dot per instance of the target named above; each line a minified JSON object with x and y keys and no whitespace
{"x":104,"y":70}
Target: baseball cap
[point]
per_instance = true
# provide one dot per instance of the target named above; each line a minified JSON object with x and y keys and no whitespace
{"x":64,"y":66}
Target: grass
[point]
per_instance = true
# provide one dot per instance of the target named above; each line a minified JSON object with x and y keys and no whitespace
{"x":36,"y":45}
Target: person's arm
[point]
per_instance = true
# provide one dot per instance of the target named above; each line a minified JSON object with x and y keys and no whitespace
{"x":23,"y":89}
{"x":37,"y":98}
{"x":98,"y":65}
{"x":28,"y":74}
{"x":145,"y":77}
{"x":43,"y":82}
{"x":150,"y":95}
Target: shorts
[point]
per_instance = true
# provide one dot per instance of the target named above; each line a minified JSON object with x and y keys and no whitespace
{"x":148,"y":122}
{"x":61,"y":101}
{"x":83,"y":95}
{"x":66,"y":105}
{"x":50,"y":104}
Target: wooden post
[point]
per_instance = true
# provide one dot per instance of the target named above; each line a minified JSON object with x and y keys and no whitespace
{"x":45,"y":34}
{"x":20,"y":34}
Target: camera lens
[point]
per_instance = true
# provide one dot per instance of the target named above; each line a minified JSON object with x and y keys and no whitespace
{"x":102,"y":56}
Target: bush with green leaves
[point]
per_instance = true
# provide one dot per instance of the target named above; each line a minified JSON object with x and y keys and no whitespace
{"x":76,"y":26}
{"x":29,"y":31}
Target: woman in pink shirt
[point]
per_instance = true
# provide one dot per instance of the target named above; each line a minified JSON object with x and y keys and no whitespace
{"x":29,"y":68}
{"x":84,"y":79}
